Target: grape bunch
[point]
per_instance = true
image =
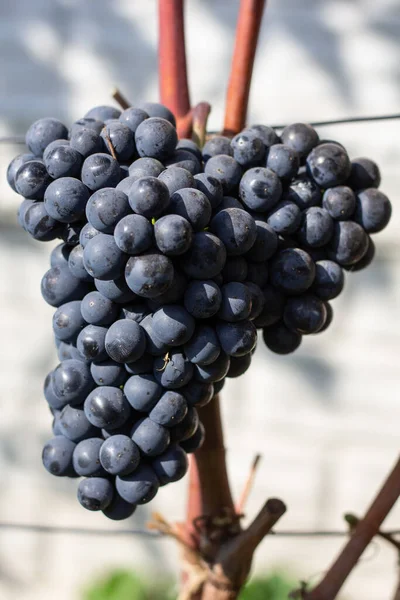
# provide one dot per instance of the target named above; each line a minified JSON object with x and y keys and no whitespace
{"x":172,"y":257}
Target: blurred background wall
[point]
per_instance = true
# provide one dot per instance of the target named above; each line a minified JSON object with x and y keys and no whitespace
{"x":326,"y":420}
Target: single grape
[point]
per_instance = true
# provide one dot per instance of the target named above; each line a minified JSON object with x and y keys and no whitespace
{"x":340,"y":202}
{"x":103,"y":113}
{"x":108,"y":372}
{"x":59,"y":256}
{"x":373,"y":210}
{"x":283,"y":160}
{"x":365,"y":261}
{"x":68,"y":321}
{"x":213,"y":372}
{"x":139,"y":487}
{"x":348,"y":244}
{"x":106,"y":407}
{"x":260,"y":189}
{"x":171,"y":466}
{"x":226,"y":170}
{"x":91,"y":342}
{"x":149,"y":197}
{"x":237,"y":339}
{"x":155,"y":138}
{"x":304,"y":314}
{"x":329,"y":280}
{"x":146,"y":167}
{"x":364,"y":174}
{"x":95,"y":493}
{"x":173,"y":371}
{"x":119,"y":455}
{"x":210,"y":186}
{"x":106,"y":208}
{"x":301,"y":137}
{"x":236,"y":302}
{"x":329,"y":165}
{"x":268,"y":136}
{"x":32,"y":179}
{"x":100,"y":170}
{"x":280,"y":339}
{"x":36,"y":221}
{"x":142,"y":392}
{"x":248,"y":148}
{"x":65,"y":199}
{"x":285,"y":217}
{"x":59,"y":286}
{"x":316,"y":227}
{"x":125,"y":341}
{"x":87,"y":142}
{"x":239,"y":365}
{"x":86,"y":458}
{"x":155,"y":109}
{"x":15,"y":164}
{"x":202,"y":299}
{"x":195,"y":441}
{"x":203,"y":348}
{"x":42,"y":132}
{"x":292,"y":271}
{"x":102,"y":257}
{"x":173,"y":235}
{"x":66,"y":351}
{"x":57,"y":456}
{"x":121,"y":139}
{"x":63,"y":161}
{"x":149,"y":274}
{"x":258,"y":273}
{"x":176,"y":178}
{"x":193,"y":205}
{"x":170,"y":409}
{"x":86,"y":123}
{"x":119,"y":509}
{"x":96,"y":309}
{"x":71,"y":382}
{"x":132,"y":117}
{"x":197,"y":393}
{"x":151,"y":438}
{"x":154,"y":346}
{"x":236,"y":229}
{"x":219,"y":144}
{"x":173,"y":325}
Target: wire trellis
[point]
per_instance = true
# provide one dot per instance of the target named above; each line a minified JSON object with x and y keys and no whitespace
{"x":55,"y":529}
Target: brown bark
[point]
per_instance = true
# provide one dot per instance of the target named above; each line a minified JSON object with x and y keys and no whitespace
{"x":174,"y":88}
{"x":248,"y":27}
{"x":362,"y":535}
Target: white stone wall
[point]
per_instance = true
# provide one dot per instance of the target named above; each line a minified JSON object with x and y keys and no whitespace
{"x":325,"y":420}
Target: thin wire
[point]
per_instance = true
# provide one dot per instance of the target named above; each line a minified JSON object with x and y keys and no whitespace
{"x":20,"y":139}
{"x":144,"y":532}
{"x":348,"y":120}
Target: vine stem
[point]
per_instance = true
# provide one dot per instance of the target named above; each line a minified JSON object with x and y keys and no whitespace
{"x":362,"y":535}
{"x":173,"y":80}
{"x":247,"y":31}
